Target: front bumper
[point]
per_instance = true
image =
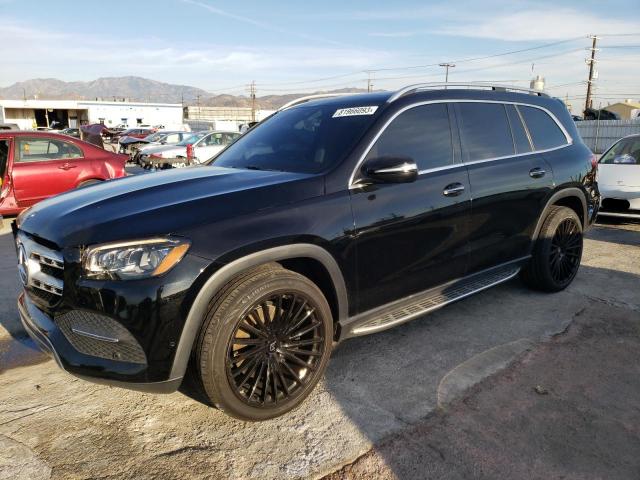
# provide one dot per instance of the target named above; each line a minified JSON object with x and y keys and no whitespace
{"x":48,"y":335}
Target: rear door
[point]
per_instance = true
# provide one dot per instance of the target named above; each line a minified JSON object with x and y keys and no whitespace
{"x":509,"y":182}
{"x":43,"y":167}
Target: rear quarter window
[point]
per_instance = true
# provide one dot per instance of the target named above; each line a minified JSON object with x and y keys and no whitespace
{"x":545,"y":132}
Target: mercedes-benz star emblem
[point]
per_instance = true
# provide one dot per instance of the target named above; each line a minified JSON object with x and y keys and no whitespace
{"x":23,"y":270}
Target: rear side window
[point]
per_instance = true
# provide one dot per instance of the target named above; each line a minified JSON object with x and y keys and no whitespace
{"x":421,"y":133}
{"x":43,"y":149}
{"x":544,"y":131}
{"x":517,"y":129}
{"x":485,"y":131}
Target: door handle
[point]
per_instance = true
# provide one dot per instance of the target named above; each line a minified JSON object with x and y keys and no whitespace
{"x":67,"y":166}
{"x":453,"y":190}
{"x":537,"y":172}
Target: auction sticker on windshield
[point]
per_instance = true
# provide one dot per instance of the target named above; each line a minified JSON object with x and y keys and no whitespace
{"x":350,"y":112}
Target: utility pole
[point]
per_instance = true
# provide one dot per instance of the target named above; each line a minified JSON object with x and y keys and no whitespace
{"x":447,"y":66}
{"x":198,"y":107}
{"x":369,"y":81}
{"x":591,"y":62}
{"x":252,"y":96}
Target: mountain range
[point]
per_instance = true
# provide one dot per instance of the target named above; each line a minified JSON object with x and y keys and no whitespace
{"x":140,"y":89}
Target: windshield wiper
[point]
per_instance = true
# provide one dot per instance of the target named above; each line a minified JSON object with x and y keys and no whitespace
{"x":256,"y":167}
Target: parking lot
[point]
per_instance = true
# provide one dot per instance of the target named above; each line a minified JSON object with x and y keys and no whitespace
{"x":55,"y":426}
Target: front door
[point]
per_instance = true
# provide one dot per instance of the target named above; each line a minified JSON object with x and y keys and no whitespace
{"x":412,"y":236}
{"x":43,"y":167}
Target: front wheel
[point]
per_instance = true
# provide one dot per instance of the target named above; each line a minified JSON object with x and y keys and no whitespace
{"x":264,"y":344}
{"x":557,"y":252}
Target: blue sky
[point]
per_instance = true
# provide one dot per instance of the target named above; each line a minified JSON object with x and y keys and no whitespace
{"x":306,"y":46}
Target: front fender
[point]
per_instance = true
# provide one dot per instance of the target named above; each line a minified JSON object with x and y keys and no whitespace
{"x":225,"y":273}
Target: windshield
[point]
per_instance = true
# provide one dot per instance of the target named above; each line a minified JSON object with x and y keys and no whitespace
{"x":626,"y":151}
{"x":306,"y":139}
{"x":192,"y":139}
{"x":154,"y":137}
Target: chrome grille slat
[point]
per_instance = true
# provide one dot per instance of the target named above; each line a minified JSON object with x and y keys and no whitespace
{"x":44,"y":267}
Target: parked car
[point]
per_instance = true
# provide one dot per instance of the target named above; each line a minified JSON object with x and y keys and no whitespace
{"x":72,"y":132}
{"x":138,"y":132}
{"x":331,"y":219}
{"x":619,"y":178}
{"x":166,"y":138}
{"x":127,"y":144}
{"x":204,"y":145}
{"x":594,"y":114}
{"x":37,"y":165}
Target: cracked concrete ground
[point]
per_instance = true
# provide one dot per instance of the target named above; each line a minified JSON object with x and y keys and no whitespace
{"x":55,"y":426}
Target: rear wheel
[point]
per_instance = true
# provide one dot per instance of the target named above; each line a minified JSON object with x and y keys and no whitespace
{"x":557,"y":252}
{"x":265,"y":343}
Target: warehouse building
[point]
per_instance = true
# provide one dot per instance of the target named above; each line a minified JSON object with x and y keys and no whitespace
{"x":30,"y":114}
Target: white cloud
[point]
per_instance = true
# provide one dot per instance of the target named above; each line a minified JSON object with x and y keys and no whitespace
{"x":536,"y":24}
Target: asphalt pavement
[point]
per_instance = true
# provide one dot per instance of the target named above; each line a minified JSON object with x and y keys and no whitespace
{"x":376,"y":389}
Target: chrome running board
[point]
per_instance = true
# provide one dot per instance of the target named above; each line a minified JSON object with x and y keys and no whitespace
{"x":406,"y":309}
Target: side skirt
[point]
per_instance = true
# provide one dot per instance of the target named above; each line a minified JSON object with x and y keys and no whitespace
{"x":406,"y":309}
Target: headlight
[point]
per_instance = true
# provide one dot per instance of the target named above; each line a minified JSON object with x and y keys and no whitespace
{"x":132,"y":260}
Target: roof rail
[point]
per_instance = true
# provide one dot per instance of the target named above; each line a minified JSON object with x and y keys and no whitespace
{"x":481,"y":85}
{"x":313,"y":97}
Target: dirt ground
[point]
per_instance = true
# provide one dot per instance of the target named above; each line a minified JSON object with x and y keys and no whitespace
{"x":389,"y":405}
{"x":569,"y":409}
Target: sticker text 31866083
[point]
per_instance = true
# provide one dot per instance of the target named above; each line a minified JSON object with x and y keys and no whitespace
{"x":350,"y":112}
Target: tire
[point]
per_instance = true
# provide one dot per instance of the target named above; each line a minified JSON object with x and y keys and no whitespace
{"x":264,"y":343}
{"x":557,"y":252}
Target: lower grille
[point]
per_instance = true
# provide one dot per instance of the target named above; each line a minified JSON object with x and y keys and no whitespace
{"x":100,"y":336}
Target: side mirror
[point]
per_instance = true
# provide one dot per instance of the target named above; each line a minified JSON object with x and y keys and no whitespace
{"x":390,"y":169}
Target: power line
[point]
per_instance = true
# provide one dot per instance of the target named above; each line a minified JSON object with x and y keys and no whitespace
{"x":429,"y":65}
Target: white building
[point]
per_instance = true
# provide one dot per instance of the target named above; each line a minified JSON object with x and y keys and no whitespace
{"x":30,"y":114}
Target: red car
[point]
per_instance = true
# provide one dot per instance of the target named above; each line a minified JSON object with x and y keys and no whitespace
{"x":37,"y":165}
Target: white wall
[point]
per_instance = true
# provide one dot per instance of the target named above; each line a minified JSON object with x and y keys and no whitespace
{"x":113,"y":114}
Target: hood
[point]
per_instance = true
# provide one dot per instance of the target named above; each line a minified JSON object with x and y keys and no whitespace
{"x":162,"y":203}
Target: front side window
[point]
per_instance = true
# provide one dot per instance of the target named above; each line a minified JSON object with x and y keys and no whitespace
{"x":625,"y":152}
{"x":43,"y":149}
{"x":305,"y":139}
{"x":485,"y":131}
{"x":544,"y":131}
{"x":421,"y":133}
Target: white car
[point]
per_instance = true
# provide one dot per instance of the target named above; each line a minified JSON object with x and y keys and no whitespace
{"x":619,"y":179}
{"x":205,"y":145}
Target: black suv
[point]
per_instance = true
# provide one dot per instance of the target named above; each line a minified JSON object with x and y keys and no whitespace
{"x":333,"y":218}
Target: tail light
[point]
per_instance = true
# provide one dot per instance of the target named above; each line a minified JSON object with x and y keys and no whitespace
{"x":155,"y":155}
{"x":594,"y":161}
{"x":189,"y":151}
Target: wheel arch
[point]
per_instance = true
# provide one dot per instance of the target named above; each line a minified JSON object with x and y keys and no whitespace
{"x":571,"y":197}
{"x":294,"y":256}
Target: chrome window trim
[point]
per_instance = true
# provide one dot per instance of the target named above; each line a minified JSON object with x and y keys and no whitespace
{"x":352,"y":185}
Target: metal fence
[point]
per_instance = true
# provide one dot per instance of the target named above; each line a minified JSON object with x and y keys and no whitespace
{"x":600,"y":134}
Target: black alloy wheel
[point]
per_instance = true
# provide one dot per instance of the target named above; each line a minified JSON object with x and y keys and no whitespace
{"x":274,"y":349}
{"x":566,"y":251}
{"x":556,"y":255}
{"x":264,"y":344}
